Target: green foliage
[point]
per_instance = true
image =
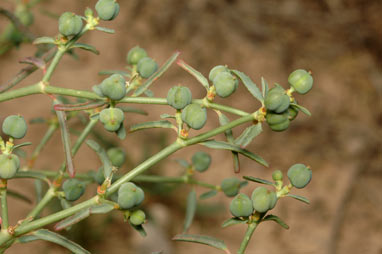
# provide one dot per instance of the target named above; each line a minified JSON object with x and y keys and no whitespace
{"x":15,"y":126}
{"x":277,"y":175}
{"x":137,"y":217}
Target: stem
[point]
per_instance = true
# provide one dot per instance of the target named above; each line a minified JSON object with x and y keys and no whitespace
{"x":4,"y":205}
{"x":44,"y":201}
{"x":248,"y":234}
{"x":84,"y":134}
{"x":203,"y":184}
{"x":57,"y":57}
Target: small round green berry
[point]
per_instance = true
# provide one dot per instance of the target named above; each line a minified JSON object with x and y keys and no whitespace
{"x":179,"y":97}
{"x":216,"y":70}
{"x":139,"y":195}
{"x":73,"y":189}
{"x":107,"y":9}
{"x":117,"y":156}
{"x":9,"y":165}
{"x":111,"y":118}
{"x":277,"y":175}
{"x":299,"y":175}
{"x":146,"y":67}
{"x":24,"y":15}
{"x":69,"y":24}
{"x":135,"y":54}
{"x":114,"y":87}
{"x":241,"y":206}
{"x":137,"y":217}
{"x":277,"y":100}
{"x":292,"y":113}
{"x":126,"y":200}
{"x":280,"y":126}
{"x":230,"y":186}
{"x":201,"y":161}
{"x":273,"y":200}
{"x":274,"y":118}
{"x":225,"y":84}
{"x":194,"y":116}
{"x":301,"y":81}
{"x":261,"y":199}
{"x":15,"y":126}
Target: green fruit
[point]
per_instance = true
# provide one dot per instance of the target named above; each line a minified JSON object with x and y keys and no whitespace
{"x":135,"y":54}
{"x":194,"y":116}
{"x":9,"y":165}
{"x":114,"y":87}
{"x":277,"y":100}
{"x":299,"y":175}
{"x":273,"y":200}
{"x":69,"y":24}
{"x":278,"y":122}
{"x":179,"y":97}
{"x":111,"y":118}
{"x":126,"y":200}
{"x":146,"y":67}
{"x":137,"y":217}
{"x":117,"y":156}
{"x":216,"y":70}
{"x":73,"y":189}
{"x":24,"y":15}
{"x":15,"y":126}
{"x":263,"y":199}
{"x":201,"y":161}
{"x":107,"y":9}
{"x":241,"y":206}
{"x":225,"y":84}
{"x":292,"y":113}
{"x":301,"y":81}
{"x":281,"y":126}
{"x":130,"y":195}
{"x":230,"y":186}
{"x":277,"y":175}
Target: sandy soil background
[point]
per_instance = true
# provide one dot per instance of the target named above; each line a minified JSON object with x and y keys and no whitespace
{"x":340,"y":41}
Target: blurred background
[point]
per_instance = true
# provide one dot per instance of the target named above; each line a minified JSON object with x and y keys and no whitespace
{"x":339,"y":41}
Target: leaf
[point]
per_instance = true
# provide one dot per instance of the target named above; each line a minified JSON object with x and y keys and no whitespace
{"x":299,"y":198}
{"x":164,"y":116}
{"x":207,"y":240}
{"x":226,"y":146}
{"x":232,"y":221}
{"x":21,"y":145}
{"x":183,"y":163}
{"x":190,"y":210}
{"x":257,"y":180}
{"x":66,"y":142}
{"x":264,"y":87}
{"x":248,"y":83}
{"x":107,"y":166}
{"x":248,"y":135}
{"x":197,"y":75}
{"x":133,"y":110}
{"x":38,"y":190}
{"x":46,"y":235}
{"x":86,"y":47}
{"x":156,"y":75}
{"x":79,"y":106}
{"x":149,"y":93}
{"x":111,"y":72}
{"x":276,"y":219}
{"x":121,"y":132}
{"x":19,"y":196}
{"x":104,"y":29}
{"x":208,"y":194}
{"x":81,"y":215}
{"x":302,"y":109}
{"x":37,"y":120}
{"x":139,"y":228}
{"x":152,"y":124}
{"x":101,"y":209}
{"x":35,"y":61}
{"x":44,"y":40}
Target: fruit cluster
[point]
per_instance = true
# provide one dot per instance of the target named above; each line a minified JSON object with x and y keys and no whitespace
{"x":129,"y":197}
{"x":223,"y":81}
{"x":138,"y":58}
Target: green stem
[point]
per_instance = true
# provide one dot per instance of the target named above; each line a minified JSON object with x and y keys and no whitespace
{"x":56,"y":59}
{"x":49,"y":195}
{"x":4,"y":205}
{"x":203,"y":184}
{"x":248,"y":234}
{"x":80,"y":140}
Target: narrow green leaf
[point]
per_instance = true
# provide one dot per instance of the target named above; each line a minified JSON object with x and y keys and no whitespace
{"x":232,"y":221}
{"x":21,"y":145}
{"x":275,"y":219}
{"x":46,"y":235}
{"x":127,"y":109}
{"x":86,"y":47}
{"x":149,"y":93}
{"x":248,"y":135}
{"x":226,"y":146}
{"x":121,"y":132}
{"x":243,"y":184}
{"x":164,"y":116}
{"x":264,"y":87}
{"x":19,"y":196}
{"x":38,"y":190}
{"x":65,"y":204}
{"x":44,"y":40}
{"x":250,"y":85}
{"x":111,"y":72}
{"x":107,"y":166}
{"x":81,"y":215}
{"x":207,"y":240}
{"x":197,"y":75}
{"x":156,"y":75}
{"x":139,"y":229}
{"x":152,"y":124}
{"x":190,"y":210}
{"x":208,"y":194}
{"x":101,"y":209}
{"x":183,"y":163}
{"x":104,"y":29}
{"x":257,"y":180}
{"x":37,"y":120}
{"x":302,"y":109}
{"x":299,"y":198}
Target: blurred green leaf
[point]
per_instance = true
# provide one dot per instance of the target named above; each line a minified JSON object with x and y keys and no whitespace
{"x":248,"y":135}
{"x":111,"y":72}
{"x":257,"y":180}
{"x":275,"y":219}
{"x":105,"y":30}
{"x":139,"y":229}
{"x":264,"y":87}
{"x":197,"y":75}
{"x":232,"y":221}
{"x":190,"y":210}
{"x":299,"y":198}
{"x":86,"y":47}
{"x":250,"y":85}
{"x":208,"y":194}
{"x":302,"y":109}
{"x":202,"y":239}
{"x":44,"y":40}
{"x":152,"y":124}
{"x":81,"y":215}
{"x":107,"y":166}
{"x":19,"y":196}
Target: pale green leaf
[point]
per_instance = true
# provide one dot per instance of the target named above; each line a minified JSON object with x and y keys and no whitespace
{"x":301,"y":108}
{"x":276,"y":219}
{"x":190,"y":210}
{"x":86,"y":47}
{"x":202,"y":239}
{"x":151,"y":124}
{"x":232,"y":221}
{"x":257,"y":180}
{"x":250,"y":85}
{"x":299,"y":198}
{"x":248,"y":135}
{"x":197,"y":75}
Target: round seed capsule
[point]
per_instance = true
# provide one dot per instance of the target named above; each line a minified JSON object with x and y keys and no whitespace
{"x":126,"y":200}
{"x":69,"y":24}
{"x":117,"y":156}
{"x":112,"y":118}
{"x":135,"y":54}
{"x":225,"y":84}
{"x":137,"y":217}
{"x":216,"y":70}
{"x":9,"y":165}
{"x":146,"y":67}
{"x":24,"y":15}
{"x":201,"y":161}
{"x":15,"y":126}
{"x":299,"y":175}
{"x":230,"y":186}
{"x":301,"y":81}
{"x":277,"y":100}
{"x":107,"y":9}
{"x":114,"y":87}
{"x":261,"y":199}
{"x":73,"y":189}
{"x":280,"y":126}
{"x":277,"y":175}
{"x":241,"y":206}
{"x":179,"y":97}
{"x":194,"y":116}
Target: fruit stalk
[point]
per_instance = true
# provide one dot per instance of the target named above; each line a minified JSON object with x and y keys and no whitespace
{"x":248,"y":234}
{"x":4,"y":205}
